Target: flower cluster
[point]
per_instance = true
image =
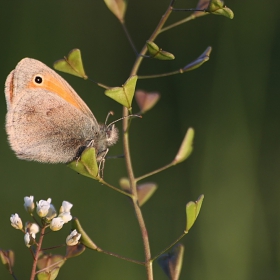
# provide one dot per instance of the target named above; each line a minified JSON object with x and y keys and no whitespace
{"x":49,"y":218}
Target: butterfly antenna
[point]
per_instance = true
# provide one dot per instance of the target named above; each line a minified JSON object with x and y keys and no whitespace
{"x":138,"y":116}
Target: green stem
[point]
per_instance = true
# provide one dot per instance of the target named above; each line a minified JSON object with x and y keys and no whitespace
{"x":154,"y":172}
{"x":180,"y":71}
{"x":115,"y":189}
{"x":170,"y":246}
{"x":177,"y":23}
{"x":98,"y":249}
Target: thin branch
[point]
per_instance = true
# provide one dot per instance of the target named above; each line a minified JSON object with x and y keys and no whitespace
{"x":180,"y":71}
{"x":178,"y":23}
{"x":98,"y":249}
{"x":154,"y":172}
{"x":115,"y":189}
{"x":129,"y":38}
{"x":170,"y":246}
{"x":40,"y":242}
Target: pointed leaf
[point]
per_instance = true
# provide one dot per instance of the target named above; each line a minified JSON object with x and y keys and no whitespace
{"x":117,"y":7}
{"x":158,"y":53}
{"x":186,"y":147}
{"x":74,"y":251}
{"x":86,"y":165}
{"x":192,"y":211}
{"x":199,"y":61}
{"x":84,"y":238}
{"x":171,"y":263}
{"x":146,"y":100}
{"x":124,"y":94}
{"x":145,"y":191}
{"x":72,"y":64}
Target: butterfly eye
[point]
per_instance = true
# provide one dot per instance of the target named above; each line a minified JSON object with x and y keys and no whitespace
{"x":38,"y":79}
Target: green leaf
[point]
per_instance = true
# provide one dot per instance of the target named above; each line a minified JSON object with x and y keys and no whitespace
{"x":217,"y":7}
{"x":145,"y":191}
{"x":158,"y":53}
{"x":146,"y":100}
{"x":124,"y":94}
{"x":192,"y":211}
{"x":8,"y":259}
{"x":117,"y":7}
{"x":186,"y":147}
{"x":125,"y":185}
{"x":86,"y":165}
{"x":171,"y":263}
{"x":84,"y":238}
{"x":49,"y":262}
{"x":199,"y":61}
{"x":48,"y":275}
{"x":72,"y":64}
{"x":74,"y":251}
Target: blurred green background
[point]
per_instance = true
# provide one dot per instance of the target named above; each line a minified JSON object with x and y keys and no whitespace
{"x":232,"y":101}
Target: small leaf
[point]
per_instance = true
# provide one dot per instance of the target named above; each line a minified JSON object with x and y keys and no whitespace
{"x":84,"y":238}
{"x":117,"y":7}
{"x":48,"y":275}
{"x":124,"y":94}
{"x":49,"y":262}
{"x":146,"y":100}
{"x":171,"y":263}
{"x":158,"y":53}
{"x":7,"y":259}
{"x":199,"y":61}
{"x":201,"y":5}
{"x":72,"y":64}
{"x":145,"y":191}
{"x":86,"y":165}
{"x":74,"y":251}
{"x":186,"y":147}
{"x":217,"y":7}
{"x":192,"y":211}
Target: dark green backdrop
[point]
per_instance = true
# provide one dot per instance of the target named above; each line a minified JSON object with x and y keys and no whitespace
{"x":232,"y":102}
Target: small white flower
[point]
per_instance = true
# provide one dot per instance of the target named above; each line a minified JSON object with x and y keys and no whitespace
{"x":73,"y":238}
{"x":43,"y":207}
{"x":27,"y":239}
{"x":16,"y":221}
{"x":33,"y":229}
{"x":66,"y":207}
{"x":29,"y":204}
{"x":56,"y":224}
{"x":51,"y":213}
{"x":66,"y":217}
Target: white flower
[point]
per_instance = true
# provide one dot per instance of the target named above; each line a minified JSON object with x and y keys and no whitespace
{"x":27,"y":239}
{"x":29,"y":204}
{"x":51,"y":213}
{"x":56,"y":224}
{"x":73,"y":238}
{"x":33,"y":229}
{"x":66,"y":207}
{"x":43,"y":207}
{"x":16,"y":221}
{"x":66,"y":217}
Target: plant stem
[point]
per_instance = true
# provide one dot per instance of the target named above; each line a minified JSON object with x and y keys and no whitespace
{"x":154,"y":172}
{"x":114,"y":188}
{"x":170,"y":246}
{"x":144,"y":232}
{"x":40,"y":242}
{"x":98,"y":249}
{"x":180,"y":71}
